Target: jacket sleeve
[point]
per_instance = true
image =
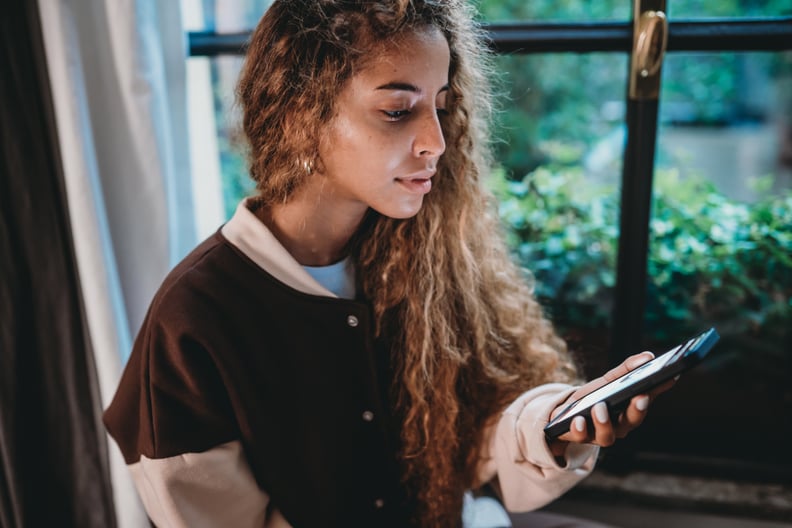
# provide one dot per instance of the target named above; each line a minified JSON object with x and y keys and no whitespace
{"x":211,"y":489}
{"x":516,"y":453}
{"x":173,"y":422}
{"x":171,"y":398}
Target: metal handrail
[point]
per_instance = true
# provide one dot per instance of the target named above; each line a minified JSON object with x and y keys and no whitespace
{"x":723,"y":34}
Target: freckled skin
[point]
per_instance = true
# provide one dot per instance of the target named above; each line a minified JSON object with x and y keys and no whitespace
{"x":379,"y":151}
{"x":368,"y":150}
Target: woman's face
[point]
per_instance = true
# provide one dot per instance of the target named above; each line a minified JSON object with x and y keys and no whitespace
{"x":382,"y":147}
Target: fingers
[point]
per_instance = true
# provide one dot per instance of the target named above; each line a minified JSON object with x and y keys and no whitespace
{"x":662,"y":388}
{"x":631,"y":363}
{"x":578,"y":432}
{"x":601,"y":430}
{"x":604,"y":434}
{"x":633,"y":416}
{"x":637,"y":360}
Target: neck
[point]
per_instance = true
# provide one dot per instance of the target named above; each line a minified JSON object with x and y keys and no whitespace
{"x":314,"y":231}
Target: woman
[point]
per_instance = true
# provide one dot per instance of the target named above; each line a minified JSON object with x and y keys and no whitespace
{"x":354,"y":347}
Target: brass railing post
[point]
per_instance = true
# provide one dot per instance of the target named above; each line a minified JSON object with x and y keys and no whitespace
{"x":650,"y":35}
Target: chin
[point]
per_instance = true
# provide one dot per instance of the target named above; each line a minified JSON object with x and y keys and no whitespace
{"x":401,"y":211}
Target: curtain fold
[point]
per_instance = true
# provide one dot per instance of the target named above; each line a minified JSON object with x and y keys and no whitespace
{"x":96,"y":206}
{"x":118,"y":81}
{"x":118,"y":74}
{"x":53,"y":454}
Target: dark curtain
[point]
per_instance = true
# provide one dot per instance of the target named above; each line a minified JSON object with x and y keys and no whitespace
{"x":53,"y":459}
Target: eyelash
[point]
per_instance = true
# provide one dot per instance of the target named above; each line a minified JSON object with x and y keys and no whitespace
{"x":397,"y":115}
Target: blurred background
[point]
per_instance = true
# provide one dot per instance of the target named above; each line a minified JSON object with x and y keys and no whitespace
{"x":639,"y":223}
{"x":719,"y":227}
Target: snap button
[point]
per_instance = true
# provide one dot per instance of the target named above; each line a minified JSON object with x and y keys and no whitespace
{"x":379,"y":503}
{"x":368,"y":416}
{"x":352,"y":321}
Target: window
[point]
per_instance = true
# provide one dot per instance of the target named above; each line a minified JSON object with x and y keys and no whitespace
{"x":642,"y":222}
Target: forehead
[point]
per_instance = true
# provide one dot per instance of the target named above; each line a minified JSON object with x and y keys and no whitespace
{"x":420,"y":55}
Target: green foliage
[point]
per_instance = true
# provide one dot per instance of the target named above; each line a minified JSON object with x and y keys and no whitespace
{"x":565,"y":234}
{"x":558,"y":96}
{"x":578,"y":98}
{"x":704,"y":85}
{"x":236,"y":182}
{"x":717,"y":260}
{"x":510,"y":10}
{"x":711,"y":260}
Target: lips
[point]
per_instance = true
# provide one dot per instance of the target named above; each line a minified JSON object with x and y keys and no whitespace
{"x":416,"y":185}
{"x":419,"y":182}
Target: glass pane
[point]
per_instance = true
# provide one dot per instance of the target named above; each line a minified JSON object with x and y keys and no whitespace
{"x":219,"y":167}
{"x":721,"y":253}
{"x":562,"y":131}
{"x":226,"y":16}
{"x":240,"y":15}
{"x":236,"y":181}
{"x":549,"y":10}
{"x":728,"y":8}
{"x":236,"y":15}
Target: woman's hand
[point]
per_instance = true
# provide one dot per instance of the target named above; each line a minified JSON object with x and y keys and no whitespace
{"x":606,"y":431}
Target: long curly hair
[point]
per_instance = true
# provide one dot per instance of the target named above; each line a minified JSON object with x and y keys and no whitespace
{"x":467,"y":334}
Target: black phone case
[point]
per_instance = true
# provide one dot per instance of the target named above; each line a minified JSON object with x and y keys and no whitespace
{"x":618,"y":401}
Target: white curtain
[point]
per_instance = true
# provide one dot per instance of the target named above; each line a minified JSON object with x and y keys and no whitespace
{"x":117,"y":69}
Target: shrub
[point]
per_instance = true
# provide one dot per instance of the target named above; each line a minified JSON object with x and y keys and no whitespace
{"x":711,"y":260}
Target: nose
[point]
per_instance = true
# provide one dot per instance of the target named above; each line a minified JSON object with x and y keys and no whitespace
{"x":429,"y":140}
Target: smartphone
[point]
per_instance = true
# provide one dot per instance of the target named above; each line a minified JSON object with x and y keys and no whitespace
{"x":617,"y":393}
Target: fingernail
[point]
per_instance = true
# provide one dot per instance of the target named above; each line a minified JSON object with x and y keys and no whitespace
{"x":579,"y":423}
{"x":642,"y":403}
{"x":601,"y":412}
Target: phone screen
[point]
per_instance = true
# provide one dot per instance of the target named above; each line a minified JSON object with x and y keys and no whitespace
{"x":640,"y":373}
{"x":688,"y":352}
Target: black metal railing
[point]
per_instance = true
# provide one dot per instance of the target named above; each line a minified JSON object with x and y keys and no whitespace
{"x":767,"y":34}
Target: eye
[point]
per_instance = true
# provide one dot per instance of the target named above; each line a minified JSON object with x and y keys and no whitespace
{"x":395,"y":115}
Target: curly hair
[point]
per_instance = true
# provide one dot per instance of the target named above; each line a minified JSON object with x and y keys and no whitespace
{"x":467,"y":334}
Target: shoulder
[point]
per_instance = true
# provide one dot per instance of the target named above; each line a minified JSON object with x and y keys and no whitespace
{"x":206,"y":282}
{"x":172,"y":381}
{"x":196,"y":271}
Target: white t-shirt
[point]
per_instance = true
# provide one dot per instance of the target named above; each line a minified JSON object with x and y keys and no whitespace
{"x":339,"y":278}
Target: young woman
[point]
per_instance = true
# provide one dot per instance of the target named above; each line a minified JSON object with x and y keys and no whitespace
{"x":354,"y":347}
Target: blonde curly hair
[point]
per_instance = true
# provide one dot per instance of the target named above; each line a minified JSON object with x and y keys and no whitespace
{"x":467,"y":334}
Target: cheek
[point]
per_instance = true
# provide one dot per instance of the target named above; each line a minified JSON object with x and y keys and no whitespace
{"x":353,"y":145}
{"x":343,"y":142}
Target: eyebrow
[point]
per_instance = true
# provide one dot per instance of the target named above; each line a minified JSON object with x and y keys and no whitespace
{"x":406,"y":87}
